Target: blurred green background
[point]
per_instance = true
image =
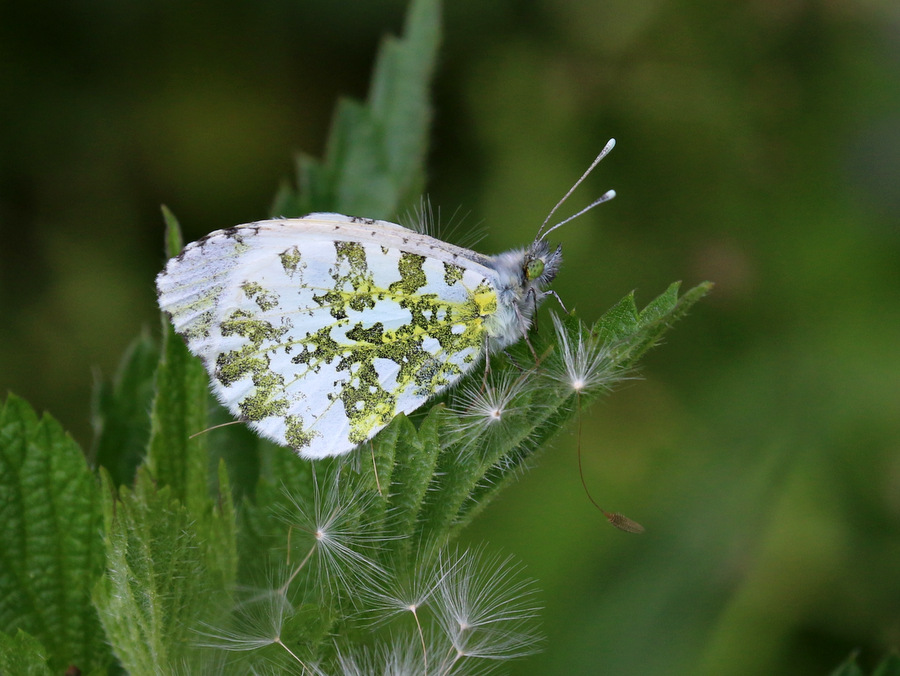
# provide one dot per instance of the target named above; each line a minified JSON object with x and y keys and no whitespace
{"x":759,"y":147}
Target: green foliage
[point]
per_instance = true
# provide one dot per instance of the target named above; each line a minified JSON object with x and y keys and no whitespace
{"x":121,"y":423}
{"x":175,"y":457}
{"x":52,"y":552}
{"x":158,"y":584}
{"x":415,"y":454}
{"x":375,"y":155}
{"x":890,"y":666}
{"x":24,"y":655}
{"x":147,"y":568}
{"x":632,"y":333}
{"x":350,"y":530}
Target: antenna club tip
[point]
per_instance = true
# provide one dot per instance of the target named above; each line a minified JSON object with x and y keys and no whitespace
{"x":611,"y":143}
{"x":610,"y":194}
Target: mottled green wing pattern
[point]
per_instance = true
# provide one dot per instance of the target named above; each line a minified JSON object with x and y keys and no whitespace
{"x":318,"y":331}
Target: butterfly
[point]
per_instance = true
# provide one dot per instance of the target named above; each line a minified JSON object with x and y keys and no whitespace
{"x":318,"y":331}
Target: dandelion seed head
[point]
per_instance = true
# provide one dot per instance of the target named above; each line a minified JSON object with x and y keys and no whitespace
{"x":398,"y":656}
{"x":335,"y":544}
{"x":489,"y":406}
{"x":486,"y":608}
{"x":584,"y":363}
{"x":257,"y":620}
{"x":404,"y":592}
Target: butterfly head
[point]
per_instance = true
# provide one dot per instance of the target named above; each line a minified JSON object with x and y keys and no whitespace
{"x":540,"y":264}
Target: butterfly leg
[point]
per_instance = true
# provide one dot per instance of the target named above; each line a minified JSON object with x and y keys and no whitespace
{"x":534,"y":322}
{"x":534,"y":315}
{"x":553,"y":293}
{"x":487,"y":363}
{"x":513,"y":361}
{"x":524,"y":324}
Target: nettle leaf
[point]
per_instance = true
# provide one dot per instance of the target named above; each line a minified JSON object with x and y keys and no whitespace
{"x":374,"y":162}
{"x":615,"y":342}
{"x":52,"y":553}
{"x":120,"y":411}
{"x":216,"y":525}
{"x":238,"y":446}
{"x":377,"y":462}
{"x":23,"y":655}
{"x":631,"y":333}
{"x":159,"y":585}
{"x":285,"y":480}
{"x":890,"y":666}
{"x":492,"y":419}
{"x":415,"y":456}
{"x":176,"y":457}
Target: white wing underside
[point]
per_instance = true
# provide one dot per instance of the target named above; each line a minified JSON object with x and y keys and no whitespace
{"x":319,"y":330}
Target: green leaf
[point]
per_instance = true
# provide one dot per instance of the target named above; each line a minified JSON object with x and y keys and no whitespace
{"x":23,"y":655}
{"x":158,"y":584}
{"x":619,"y":322}
{"x":376,"y":475}
{"x":284,"y":478}
{"x":240,"y":447}
{"x":890,"y":666}
{"x":627,"y":334}
{"x":50,"y":529}
{"x":375,"y":157}
{"x":470,"y":460}
{"x":175,"y":457}
{"x":174,"y":240}
{"x":414,"y":463}
{"x":848,"y":668}
{"x":216,"y":526}
{"x":120,"y":411}
{"x":399,"y":96}
{"x":653,"y":321}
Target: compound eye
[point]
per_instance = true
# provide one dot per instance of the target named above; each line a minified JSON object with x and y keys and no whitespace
{"x":534,"y":269}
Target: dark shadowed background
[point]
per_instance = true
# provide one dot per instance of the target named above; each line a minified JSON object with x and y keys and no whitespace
{"x":758,"y":147}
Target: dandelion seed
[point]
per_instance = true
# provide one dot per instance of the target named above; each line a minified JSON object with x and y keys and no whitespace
{"x":584,"y":364}
{"x":485,"y":608}
{"x":581,"y":366}
{"x":489,"y":408}
{"x":410,"y":592}
{"x":257,"y":624}
{"x":622,"y":522}
{"x":400,"y":656}
{"x":337,"y":541}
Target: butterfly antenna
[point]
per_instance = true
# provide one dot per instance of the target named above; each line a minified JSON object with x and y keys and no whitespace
{"x":608,"y":195}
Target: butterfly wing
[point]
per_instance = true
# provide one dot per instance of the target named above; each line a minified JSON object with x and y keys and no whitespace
{"x":318,"y":331}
